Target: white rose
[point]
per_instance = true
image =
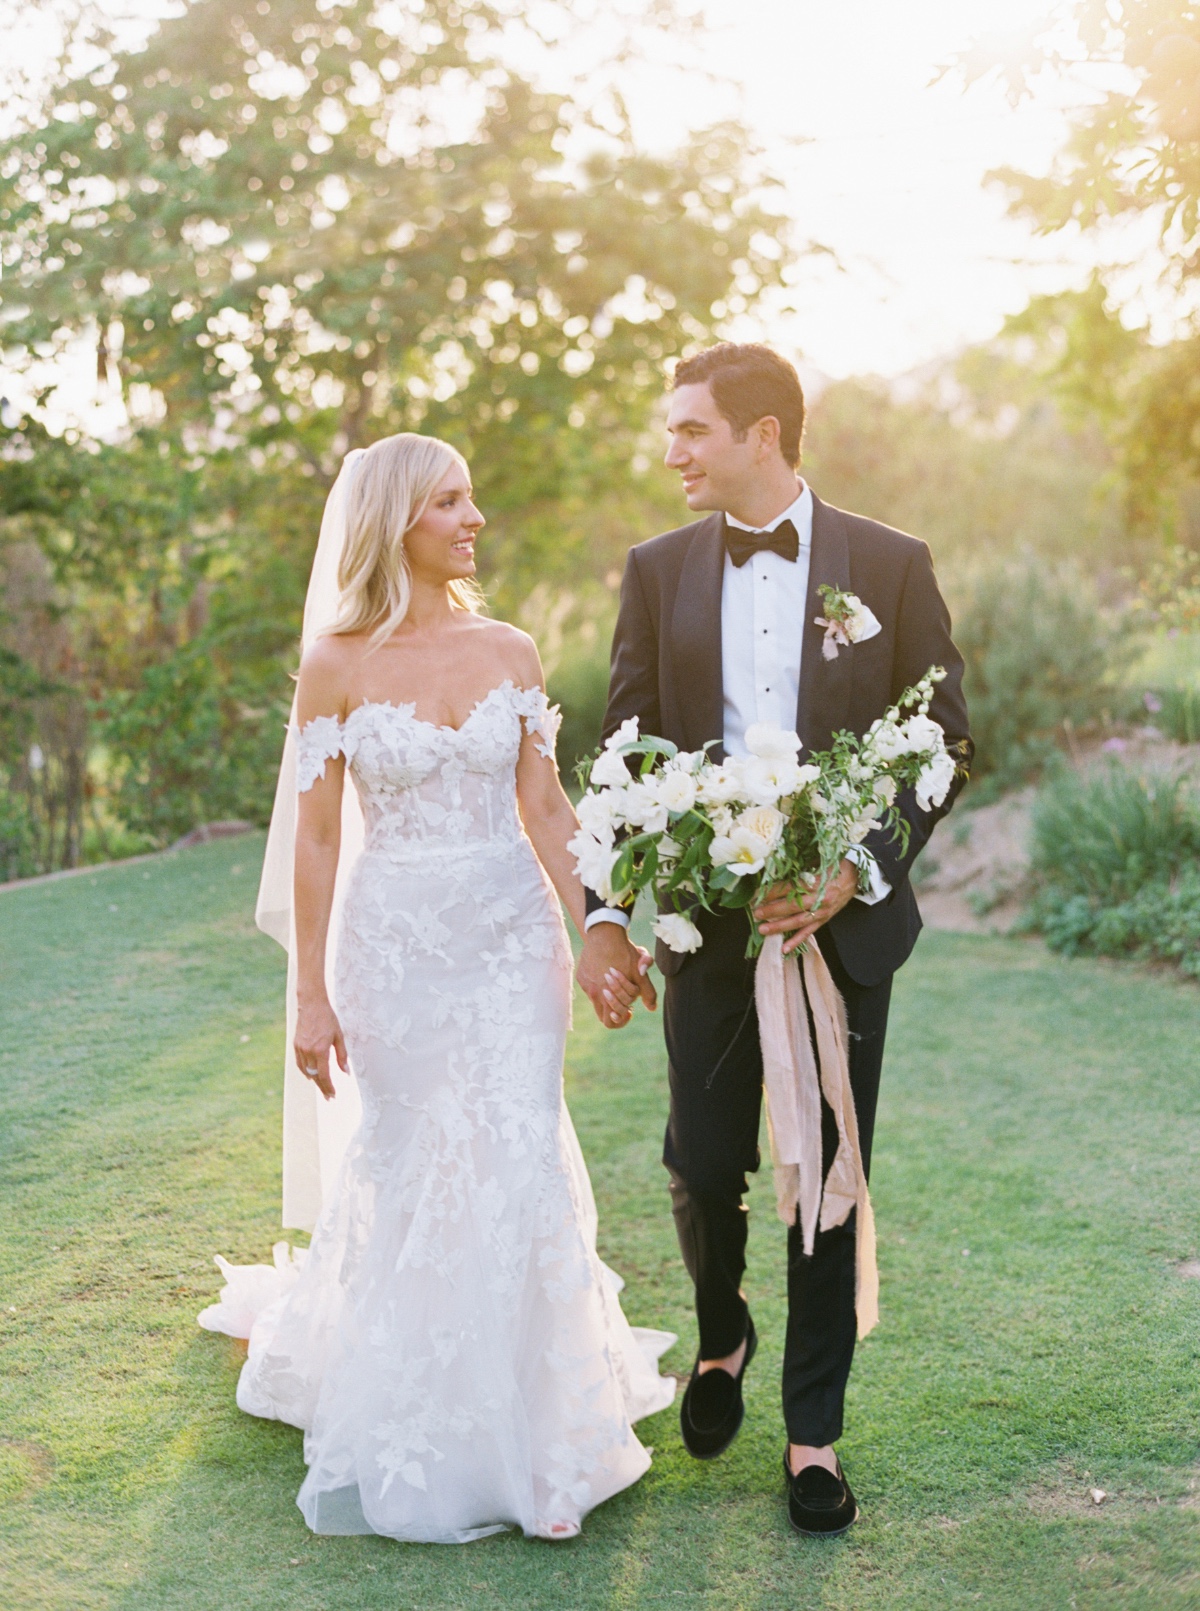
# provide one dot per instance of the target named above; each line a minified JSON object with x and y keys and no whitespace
{"x":596,"y":814}
{"x":719,"y":785}
{"x":765,"y":823}
{"x":772,"y":743}
{"x":934,"y":782}
{"x":594,"y":863}
{"x":609,"y":771}
{"x":678,"y":933}
{"x":676,"y":790}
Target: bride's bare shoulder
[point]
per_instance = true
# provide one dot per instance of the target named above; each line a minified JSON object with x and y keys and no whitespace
{"x":327,"y":669}
{"x":515,"y":651}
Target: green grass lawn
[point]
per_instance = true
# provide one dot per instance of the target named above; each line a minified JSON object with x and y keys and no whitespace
{"x":1036,"y":1186}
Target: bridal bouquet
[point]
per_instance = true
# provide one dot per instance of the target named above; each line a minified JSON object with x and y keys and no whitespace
{"x":699,"y":833}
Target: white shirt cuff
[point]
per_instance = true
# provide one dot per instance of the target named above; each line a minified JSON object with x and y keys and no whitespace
{"x":605,"y":914}
{"x":879,"y":888}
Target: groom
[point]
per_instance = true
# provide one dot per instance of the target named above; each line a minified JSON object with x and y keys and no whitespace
{"x":717,"y":631}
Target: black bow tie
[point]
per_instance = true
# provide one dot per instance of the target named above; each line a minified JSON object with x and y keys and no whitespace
{"x":741,"y":545}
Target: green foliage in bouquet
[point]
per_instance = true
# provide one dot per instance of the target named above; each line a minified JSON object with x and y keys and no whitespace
{"x":701,"y":833}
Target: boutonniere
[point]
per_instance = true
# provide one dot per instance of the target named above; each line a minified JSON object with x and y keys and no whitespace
{"x":846,"y":620}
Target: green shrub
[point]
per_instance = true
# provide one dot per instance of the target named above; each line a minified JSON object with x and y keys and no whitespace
{"x":18,"y":838}
{"x":1041,"y":662}
{"x":1164,"y":685}
{"x":1116,"y":863}
{"x":580,"y":685}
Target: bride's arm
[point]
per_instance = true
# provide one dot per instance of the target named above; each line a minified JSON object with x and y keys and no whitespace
{"x":551,"y":824}
{"x":318,"y":840}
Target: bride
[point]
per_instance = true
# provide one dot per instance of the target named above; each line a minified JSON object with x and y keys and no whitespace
{"x":451,"y":1344}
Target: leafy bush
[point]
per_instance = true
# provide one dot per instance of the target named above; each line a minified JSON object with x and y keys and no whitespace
{"x":1116,"y":859}
{"x":188,"y":746}
{"x":1164,"y":684}
{"x":580,"y":685}
{"x":1042,"y":659}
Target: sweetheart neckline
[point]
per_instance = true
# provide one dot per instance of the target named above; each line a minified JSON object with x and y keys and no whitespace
{"x":408,"y":707}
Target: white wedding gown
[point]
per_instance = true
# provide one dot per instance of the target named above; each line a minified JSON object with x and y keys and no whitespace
{"x":451,"y":1344}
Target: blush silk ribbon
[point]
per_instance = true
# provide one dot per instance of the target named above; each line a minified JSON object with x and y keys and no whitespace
{"x":795,"y":1074}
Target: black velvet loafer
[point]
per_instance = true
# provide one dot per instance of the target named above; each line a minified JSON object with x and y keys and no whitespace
{"x":820,"y":1505}
{"x":710,"y":1416}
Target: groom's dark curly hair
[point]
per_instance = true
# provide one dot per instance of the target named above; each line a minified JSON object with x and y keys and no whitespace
{"x":749,"y":382}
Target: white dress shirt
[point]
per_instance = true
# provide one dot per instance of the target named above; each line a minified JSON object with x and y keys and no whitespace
{"x":762,"y":629}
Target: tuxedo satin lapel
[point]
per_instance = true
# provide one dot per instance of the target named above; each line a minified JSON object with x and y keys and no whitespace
{"x":696,"y":636}
{"x":824,"y":702}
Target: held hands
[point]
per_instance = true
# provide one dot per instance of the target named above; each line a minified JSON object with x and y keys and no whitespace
{"x":317,"y":1033}
{"x":613,"y":973}
{"x":781,"y":913}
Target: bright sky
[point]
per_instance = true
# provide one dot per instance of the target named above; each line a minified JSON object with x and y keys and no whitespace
{"x":890,"y":174}
{"x":880,"y":164}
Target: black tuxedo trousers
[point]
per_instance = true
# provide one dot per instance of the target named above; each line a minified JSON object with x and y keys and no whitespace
{"x":715,"y":1069}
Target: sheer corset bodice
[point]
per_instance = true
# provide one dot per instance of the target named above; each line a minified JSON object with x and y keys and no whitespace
{"x":429,"y":790}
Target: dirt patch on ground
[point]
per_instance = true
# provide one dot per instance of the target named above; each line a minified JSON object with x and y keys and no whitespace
{"x":973,"y":876}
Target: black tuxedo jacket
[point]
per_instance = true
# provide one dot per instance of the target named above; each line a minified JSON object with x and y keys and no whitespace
{"x":666,"y":671}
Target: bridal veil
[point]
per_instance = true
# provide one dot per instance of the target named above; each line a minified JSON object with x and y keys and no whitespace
{"x":315,"y":1132}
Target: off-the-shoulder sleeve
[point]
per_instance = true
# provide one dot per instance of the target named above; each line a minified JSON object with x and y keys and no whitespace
{"x":542,"y":719}
{"x":317,"y":742}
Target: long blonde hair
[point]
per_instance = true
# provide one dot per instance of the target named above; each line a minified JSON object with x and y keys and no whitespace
{"x":391,"y":486}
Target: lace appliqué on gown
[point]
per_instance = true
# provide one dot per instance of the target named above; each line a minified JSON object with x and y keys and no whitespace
{"x":451,"y":1344}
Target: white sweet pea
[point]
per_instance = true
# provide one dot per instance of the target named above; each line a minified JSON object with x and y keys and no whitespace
{"x":594,"y":863}
{"x":933,"y":785}
{"x":668,"y":850}
{"x":720,"y":785}
{"x":676,"y":791}
{"x":772,"y":743}
{"x":686,"y":761}
{"x":640,"y":807}
{"x":885,"y":790}
{"x":678,"y":933}
{"x":922,"y":733}
{"x":627,"y":733}
{"x":888,"y":741}
{"x":609,"y":771}
{"x":597,"y":813}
